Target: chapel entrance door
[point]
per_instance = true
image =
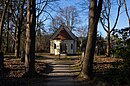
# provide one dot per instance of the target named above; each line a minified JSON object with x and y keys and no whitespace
{"x":63,"y":48}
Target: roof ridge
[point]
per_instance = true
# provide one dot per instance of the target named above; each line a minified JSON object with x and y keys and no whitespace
{"x":63,"y":26}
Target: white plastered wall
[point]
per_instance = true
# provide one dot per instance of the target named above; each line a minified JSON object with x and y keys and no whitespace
{"x":68,"y":44}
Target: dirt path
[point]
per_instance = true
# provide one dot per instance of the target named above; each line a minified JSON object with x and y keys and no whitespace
{"x":52,"y":71}
{"x":60,"y":72}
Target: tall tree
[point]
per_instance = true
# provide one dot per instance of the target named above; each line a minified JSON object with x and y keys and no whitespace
{"x":94,"y":15}
{"x":7,"y":30}
{"x":1,"y":31}
{"x":68,"y":15}
{"x":30,"y":37}
{"x":30,"y":33}
{"x":2,"y":20}
{"x":105,"y":20}
{"x":19,"y":26}
{"x":127,"y":13}
{"x":55,"y":23}
{"x":81,"y":32}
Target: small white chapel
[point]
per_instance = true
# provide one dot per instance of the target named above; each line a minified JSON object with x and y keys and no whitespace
{"x":63,"y":41}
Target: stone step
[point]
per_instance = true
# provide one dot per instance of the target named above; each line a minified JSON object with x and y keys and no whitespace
{"x":65,"y":65}
{"x":61,"y":74}
{"x":60,"y":78}
{"x":64,"y":68}
{"x":66,"y":71}
{"x":58,"y":65}
{"x":62,"y":63}
{"x":61,"y":68}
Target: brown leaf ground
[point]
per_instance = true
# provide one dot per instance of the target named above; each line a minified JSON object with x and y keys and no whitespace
{"x":13,"y":73}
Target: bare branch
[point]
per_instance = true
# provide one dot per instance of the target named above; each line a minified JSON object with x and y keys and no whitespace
{"x":118,"y":14}
{"x":42,"y":8}
{"x":126,"y":10}
{"x":12,"y":35}
{"x":104,"y":15}
{"x":103,"y":25}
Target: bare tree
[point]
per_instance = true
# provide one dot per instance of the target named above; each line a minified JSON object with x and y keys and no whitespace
{"x":94,"y":15}
{"x":81,"y":32}
{"x":105,"y":20}
{"x":31,"y":32}
{"x":55,"y":23}
{"x":30,"y":37}
{"x":1,"y":31}
{"x":2,"y":20}
{"x":19,"y":26}
{"x":127,"y":13}
{"x":44,"y":9}
{"x":68,"y":15}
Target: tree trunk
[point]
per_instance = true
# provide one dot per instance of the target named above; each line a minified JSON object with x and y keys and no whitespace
{"x":127,"y":13}
{"x":30,"y":37}
{"x":7,"y":34}
{"x":17,"y":43}
{"x":2,"y":22}
{"x":18,"y":34}
{"x":7,"y":39}
{"x":1,"y":32}
{"x":94,"y":14}
{"x":106,"y":14}
{"x":17,"y":40}
{"x":108,"y":45}
{"x":14,"y":42}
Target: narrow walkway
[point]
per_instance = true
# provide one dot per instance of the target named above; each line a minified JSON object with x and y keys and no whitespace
{"x":61,"y":72}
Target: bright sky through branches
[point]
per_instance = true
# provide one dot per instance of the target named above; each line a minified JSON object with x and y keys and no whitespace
{"x":122,"y":22}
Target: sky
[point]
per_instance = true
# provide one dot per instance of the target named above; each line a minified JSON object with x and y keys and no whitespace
{"x":122,"y":22}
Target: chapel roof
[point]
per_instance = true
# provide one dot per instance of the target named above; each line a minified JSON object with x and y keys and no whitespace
{"x":63,"y":33}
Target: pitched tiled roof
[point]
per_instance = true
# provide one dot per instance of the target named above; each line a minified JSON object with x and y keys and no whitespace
{"x":63,"y":33}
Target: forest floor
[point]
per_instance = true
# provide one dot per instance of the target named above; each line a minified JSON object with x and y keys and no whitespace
{"x":55,"y":71}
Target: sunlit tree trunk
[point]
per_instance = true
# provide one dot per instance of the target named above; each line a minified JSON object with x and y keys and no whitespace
{"x":108,"y":45}
{"x":94,"y":14}
{"x":30,"y":37}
